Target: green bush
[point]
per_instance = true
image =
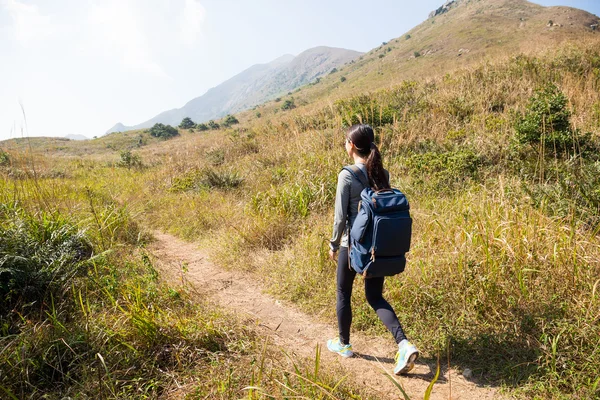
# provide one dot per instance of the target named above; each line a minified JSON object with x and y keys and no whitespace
{"x":343,"y":79}
{"x":129,"y":160}
{"x":417,"y":54}
{"x":546,"y":123}
{"x":444,"y":170}
{"x":207,"y":178}
{"x":213,"y":125}
{"x":187,"y":123}
{"x":40,"y":255}
{"x":229,"y":120}
{"x":163,"y":131}
{"x":202,"y":127}
{"x":4,"y":158}
{"x":288,"y":104}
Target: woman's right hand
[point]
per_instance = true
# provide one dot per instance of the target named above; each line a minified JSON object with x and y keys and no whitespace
{"x":333,"y":255}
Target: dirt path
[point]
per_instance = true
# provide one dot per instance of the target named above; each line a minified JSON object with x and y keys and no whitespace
{"x":298,"y":332}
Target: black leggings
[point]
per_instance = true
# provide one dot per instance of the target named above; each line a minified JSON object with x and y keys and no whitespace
{"x":373,"y":292}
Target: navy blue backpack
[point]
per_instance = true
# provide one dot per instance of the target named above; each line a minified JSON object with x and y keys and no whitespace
{"x":381,"y":233}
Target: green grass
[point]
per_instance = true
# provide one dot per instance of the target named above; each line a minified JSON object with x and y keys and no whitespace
{"x":84,"y":313}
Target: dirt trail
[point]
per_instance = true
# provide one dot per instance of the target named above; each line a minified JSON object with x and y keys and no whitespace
{"x":298,"y":332}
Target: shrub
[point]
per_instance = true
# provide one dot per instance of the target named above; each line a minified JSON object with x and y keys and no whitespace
{"x":39,"y":257}
{"x":288,"y":104}
{"x":546,"y":123}
{"x":213,"y":125}
{"x":202,"y":127}
{"x":163,"y":131}
{"x":407,"y":37}
{"x":4,"y":158}
{"x":343,"y":79}
{"x":187,"y":123}
{"x":207,"y":178}
{"x":258,"y":114}
{"x":333,"y":71}
{"x":417,"y":54}
{"x":381,"y":55}
{"x":444,"y":170}
{"x":129,"y":160}
{"x":278,"y":99}
{"x":229,"y":120}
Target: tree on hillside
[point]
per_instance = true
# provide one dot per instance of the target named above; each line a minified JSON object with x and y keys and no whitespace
{"x":213,"y":125}
{"x":547,"y":122}
{"x":202,"y":127}
{"x":230,"y":120}
{"x":187,"y":123}
{"x":163,"y":131}
{"x":288,"y":104}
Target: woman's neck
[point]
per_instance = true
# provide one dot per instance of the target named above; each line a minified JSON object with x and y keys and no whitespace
{"x":358,"y":159}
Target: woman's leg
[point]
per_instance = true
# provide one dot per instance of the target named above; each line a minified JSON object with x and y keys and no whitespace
{"x":385,"y":312}
{"x":345,"y":279}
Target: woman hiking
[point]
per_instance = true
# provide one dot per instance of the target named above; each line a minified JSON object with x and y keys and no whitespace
{"x":361,"y":148}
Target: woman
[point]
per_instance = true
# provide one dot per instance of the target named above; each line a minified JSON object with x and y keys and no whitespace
{"x":361,"y":148}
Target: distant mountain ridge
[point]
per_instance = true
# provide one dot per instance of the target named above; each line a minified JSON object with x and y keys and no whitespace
{"x":255,"y":85}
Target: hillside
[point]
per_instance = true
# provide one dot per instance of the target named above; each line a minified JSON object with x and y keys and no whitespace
{"x":469,"y":32}
{"x":253,"y":86}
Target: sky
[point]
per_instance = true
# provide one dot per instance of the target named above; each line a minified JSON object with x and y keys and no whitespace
{"x":80,"y":66}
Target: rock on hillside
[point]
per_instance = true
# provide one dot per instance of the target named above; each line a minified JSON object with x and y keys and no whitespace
{"x":257,"y":84}
{"x":444,"y":8}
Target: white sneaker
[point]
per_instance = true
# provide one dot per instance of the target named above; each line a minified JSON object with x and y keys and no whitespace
{"x":405,"y":357}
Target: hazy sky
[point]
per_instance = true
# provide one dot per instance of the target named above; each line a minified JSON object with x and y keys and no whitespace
{"x":80,"y":66}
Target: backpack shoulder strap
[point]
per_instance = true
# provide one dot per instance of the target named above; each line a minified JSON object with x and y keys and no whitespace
{"x":358,"y":174}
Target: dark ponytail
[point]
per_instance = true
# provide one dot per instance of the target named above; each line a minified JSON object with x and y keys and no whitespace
{"x":363,"y":138}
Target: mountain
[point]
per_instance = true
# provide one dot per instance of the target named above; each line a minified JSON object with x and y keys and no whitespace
{"x":254,"y":86}
{"x":118,"y":127}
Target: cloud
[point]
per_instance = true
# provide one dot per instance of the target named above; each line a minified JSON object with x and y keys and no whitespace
{"x":192,"y":19}
{"x":117,"y":26}
{"x":28,"y":22}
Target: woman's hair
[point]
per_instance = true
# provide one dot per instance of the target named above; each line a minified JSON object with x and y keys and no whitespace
{"x":363,"y":138}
